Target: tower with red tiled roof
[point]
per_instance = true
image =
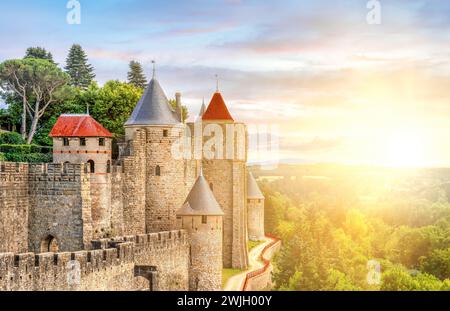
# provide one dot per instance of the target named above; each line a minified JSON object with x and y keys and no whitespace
{"x":80,"y":139}
{"x":224,"y":166}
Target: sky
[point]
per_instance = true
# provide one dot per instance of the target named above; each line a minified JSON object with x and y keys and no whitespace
{"x":337,"y":88}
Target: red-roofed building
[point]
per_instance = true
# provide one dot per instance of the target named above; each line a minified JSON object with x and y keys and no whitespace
{"x":78,"y":125}
{"x":217,"y":109}
{"x":79,"y":138}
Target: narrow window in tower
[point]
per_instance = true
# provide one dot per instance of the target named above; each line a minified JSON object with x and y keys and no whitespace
{"x":157,"y":170}
{"x":82,"y":141}
{"x":101,"y":141}
{"x":91,"y":166}
{"x":165,"y":133}
{"x":66,"y":141}
{"x":108,"y":166}
{"x":204,"y":219}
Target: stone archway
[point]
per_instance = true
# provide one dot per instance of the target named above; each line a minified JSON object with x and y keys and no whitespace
{"x":149,"y":273}
{"x":49,"y":244}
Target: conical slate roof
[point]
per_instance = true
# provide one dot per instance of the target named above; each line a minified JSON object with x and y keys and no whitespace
{"x":253,"y":191}
{"x":200,"y":201}
{"x":153,"y":108}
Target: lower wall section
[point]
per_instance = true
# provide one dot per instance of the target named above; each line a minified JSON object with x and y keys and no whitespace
{"x":108,"y":269}
{"x":167,"y":251}
{"x":261,"y":279}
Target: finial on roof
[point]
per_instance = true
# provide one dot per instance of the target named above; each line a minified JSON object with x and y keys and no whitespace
{"x":217,"y":83}
{"x":201,"y":171}
{"x":154,"y":69}
{"x":87,"y":108}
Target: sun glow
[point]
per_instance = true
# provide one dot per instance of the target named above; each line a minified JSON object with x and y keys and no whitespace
{"x":405,"y":149}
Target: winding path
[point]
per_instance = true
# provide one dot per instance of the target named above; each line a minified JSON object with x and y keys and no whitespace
{"x":236,"y":282}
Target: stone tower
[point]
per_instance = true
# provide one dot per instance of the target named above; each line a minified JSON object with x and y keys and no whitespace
{"x":224,"y":158}
{"x":201,"y":217}
{"x":163,"y":181}
{"x":255,"y":209}
{"x":77,"y":139}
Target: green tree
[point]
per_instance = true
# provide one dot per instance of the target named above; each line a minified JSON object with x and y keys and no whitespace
{"x":437,"y":263}
{"x":38,"y":82}
{"x":111,"y":104}
{"x":80,"y":71}
{"x":39,"y":52}
{"x":136,"y":75}
{"x":184,"y":110}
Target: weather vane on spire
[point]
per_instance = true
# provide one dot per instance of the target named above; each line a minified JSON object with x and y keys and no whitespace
{"x":154,"y":69}
{"x":217,"y":83}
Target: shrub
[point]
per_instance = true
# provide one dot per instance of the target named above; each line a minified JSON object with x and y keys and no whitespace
{"x":11,"y":138}
{"x":2,"y":156}
{"x":28,"y":157}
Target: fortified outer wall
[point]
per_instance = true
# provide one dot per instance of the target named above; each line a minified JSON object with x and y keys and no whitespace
{"x":60,"y":206}
{"x":106,"y":269}
{"x":14,"y":207}
{"x":261,"y":279}
{"x":167,"y":251}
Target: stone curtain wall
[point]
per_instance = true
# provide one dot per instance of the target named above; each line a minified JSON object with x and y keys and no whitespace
{"x":261,"y":279}
{"x":108,"y":269}
{"x":14,"y":205}
{"x":167,"y":251}
{"x":60,"y":206}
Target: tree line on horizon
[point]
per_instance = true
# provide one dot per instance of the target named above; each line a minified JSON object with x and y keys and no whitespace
{"x":337,"y":232}
{"x":37,"y":90}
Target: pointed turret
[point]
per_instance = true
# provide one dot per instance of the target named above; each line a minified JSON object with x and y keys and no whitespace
{"x":253,"y":191}
{"x":200,"y":201}
{"x":217,"y":109}
{"x":153,"y":108}
{"x":255,"y":209}
{"x":201,"y":217}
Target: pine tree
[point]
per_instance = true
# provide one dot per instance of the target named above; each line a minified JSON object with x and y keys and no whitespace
{"x":136,"y":75}
{"x":39,"y":52}
{"x":78,"y":68}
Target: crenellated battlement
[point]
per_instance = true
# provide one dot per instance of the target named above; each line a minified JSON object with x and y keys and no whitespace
{"x":155,"y":240}
{"x":28,"y":271}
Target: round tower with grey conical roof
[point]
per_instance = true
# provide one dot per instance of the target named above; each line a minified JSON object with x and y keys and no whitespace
{"x":201,"y":216}
{"x":164,"y":180}
{"x":255,"y":209}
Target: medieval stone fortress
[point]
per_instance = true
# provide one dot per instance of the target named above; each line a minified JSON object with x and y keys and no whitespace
{"x":162,"y":216}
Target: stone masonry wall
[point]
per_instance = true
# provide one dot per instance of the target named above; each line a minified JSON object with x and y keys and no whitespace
{"x":206,"y":252}
{"x":165,"y":187}
{"x":59,"y":206}
{"x":105,"y":269}
{"x":255,"y":211}
{"x":14,"y":207}
{"x":167,"y":251}
{"x":133,"y":185}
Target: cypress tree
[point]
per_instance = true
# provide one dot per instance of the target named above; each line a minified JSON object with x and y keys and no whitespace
{"x":80,"y":71}
{"x":136,"y":75}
